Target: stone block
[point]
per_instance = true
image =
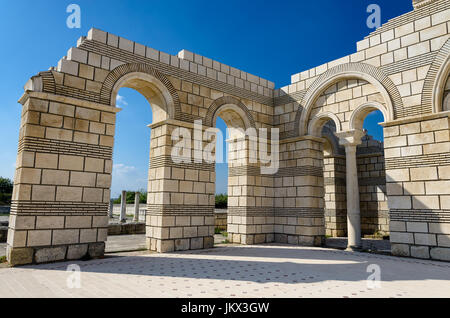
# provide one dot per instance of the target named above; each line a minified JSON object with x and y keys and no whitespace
{"x":165,"y":246}
{"x":94,"y":165}
{"x":20,"y":256}
{"x":50,"y":222}
{"x":50,"y":254}
{"x":420,"y":252}
{"x":425,"y":239}
{"x":65,"y":237}
{"x":96,"y":250}
{"x":69,"y":162}
{"x":399,"y":237}
{"x":75,"y":252}
{"x":400,"y":250}
{"x":196,"y":243}
{"x":417,"y":227}
{"x":440,"y":253}
{"x":88,"y":235}
{"x":181,"y":244}
{"x":39,"y":238}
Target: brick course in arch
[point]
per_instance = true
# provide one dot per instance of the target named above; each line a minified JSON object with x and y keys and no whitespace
{"x":215,"y":106}
{"x":439,"y":68}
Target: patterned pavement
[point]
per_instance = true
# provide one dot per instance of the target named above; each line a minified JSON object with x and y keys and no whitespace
{"x":268,"y":270}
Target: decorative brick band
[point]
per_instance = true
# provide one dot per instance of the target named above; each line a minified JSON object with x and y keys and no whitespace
{"x":300,"y":171}
{"x":166,"y":161}
{"x":435,"y":216}
{"x":244,"y":171}
{"x":250,"y":211}
{"x":181,"y":210}
{"x":34,"y":144}
{"x":431,"y":160}
{"x":58,"y":208}
{"x":300,"y":212}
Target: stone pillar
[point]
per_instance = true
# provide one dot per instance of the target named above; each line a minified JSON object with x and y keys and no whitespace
{"x":350,"y":139}
{"x":123,"y":207}
{"x":62,"y":182}
{"x":180,"y":200}
{"x":111,"y":208}
{"x":137,"y":198}
{"x":250,"y":205}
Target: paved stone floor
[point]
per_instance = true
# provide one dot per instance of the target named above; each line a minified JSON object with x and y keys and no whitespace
{"x":268,"y":270}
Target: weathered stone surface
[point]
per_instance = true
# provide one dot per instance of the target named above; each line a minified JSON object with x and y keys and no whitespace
{"x":50,"y":254}
{"x":20,"y":256}
{"x":77,"y":251}
{"x":96,"y":250}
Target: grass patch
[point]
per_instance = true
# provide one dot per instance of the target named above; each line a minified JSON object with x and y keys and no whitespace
{"x":3,"y":259}
{"x":225,"y":242}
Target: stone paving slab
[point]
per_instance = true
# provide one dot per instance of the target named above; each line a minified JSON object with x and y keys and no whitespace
{"x":268,"y":270}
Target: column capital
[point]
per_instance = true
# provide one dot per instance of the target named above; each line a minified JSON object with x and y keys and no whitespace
{"x":350,"y":138}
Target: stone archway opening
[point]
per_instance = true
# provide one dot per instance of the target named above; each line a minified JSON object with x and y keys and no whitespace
{"x":236,"y":132}
{"x":144,"y":101}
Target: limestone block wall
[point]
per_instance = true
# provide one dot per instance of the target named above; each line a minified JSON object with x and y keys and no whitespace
{"x":335,"y":196}
{"x":298,"y":193}
{"x":372,"y":193}
{"x":250,"y":197}
{"x":417,"y":178}
{"x":180,"y":201}
{"x":62,"y":180}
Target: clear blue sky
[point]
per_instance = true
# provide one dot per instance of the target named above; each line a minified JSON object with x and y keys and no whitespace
{"x":271,"y":39}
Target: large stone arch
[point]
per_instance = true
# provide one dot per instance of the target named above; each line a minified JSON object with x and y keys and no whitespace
{"x":362,"y":71}
{"x":437,"y":76}
{"x":127,"y":72}
{"x":238,"y":107}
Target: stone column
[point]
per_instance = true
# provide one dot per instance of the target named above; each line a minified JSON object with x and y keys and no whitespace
{"x":350,"y":139}
{"x":123,"y":207}
{"x":111,"y":208}
{"x":137,"y":198}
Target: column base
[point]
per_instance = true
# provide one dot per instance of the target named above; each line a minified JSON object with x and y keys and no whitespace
{"x":354,"y":248}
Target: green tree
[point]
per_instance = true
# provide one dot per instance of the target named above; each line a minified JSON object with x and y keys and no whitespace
{"x":221,"y":201}
{"x":6,"y":189}
{"x":130,"y":197}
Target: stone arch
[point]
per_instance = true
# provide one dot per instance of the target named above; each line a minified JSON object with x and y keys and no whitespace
{"x":317,"y":122}
{"x":433,"y":88}
{"x":359,"y":114}
{"x":341,"y":72}
{"x":232,"y":105}
{"x":144,"y":79}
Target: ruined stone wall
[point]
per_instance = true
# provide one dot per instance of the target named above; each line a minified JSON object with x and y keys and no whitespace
{"x":61,"y":188}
